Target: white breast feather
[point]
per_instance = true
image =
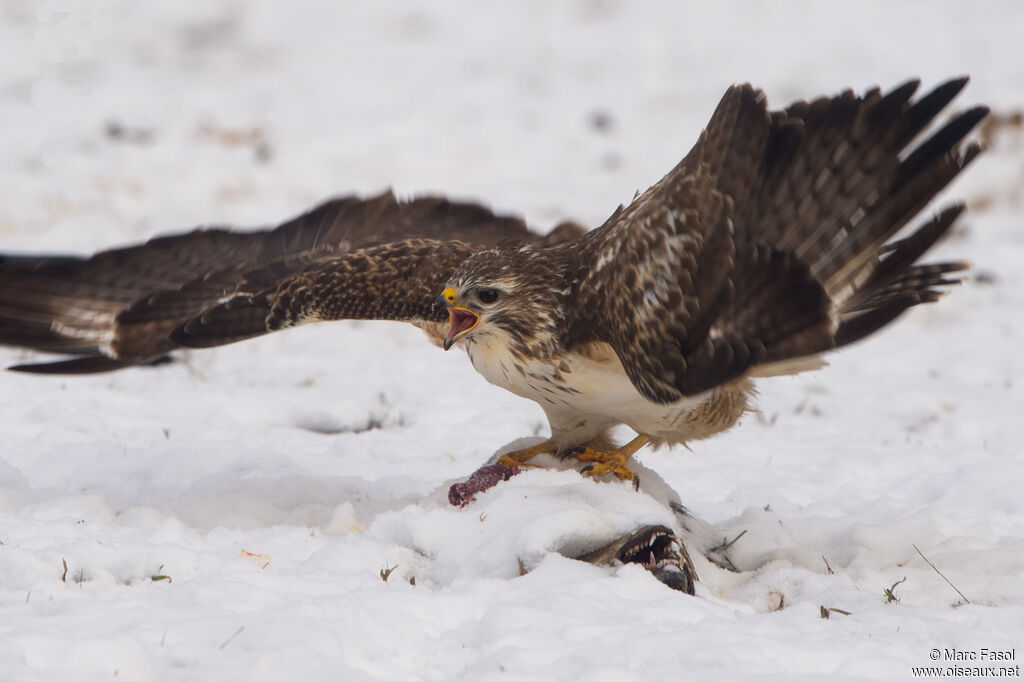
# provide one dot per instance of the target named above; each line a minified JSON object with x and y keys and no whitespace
{"x":579,"y":393}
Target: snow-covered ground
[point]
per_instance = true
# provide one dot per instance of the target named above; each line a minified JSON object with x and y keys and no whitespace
{"x":229,"y":517}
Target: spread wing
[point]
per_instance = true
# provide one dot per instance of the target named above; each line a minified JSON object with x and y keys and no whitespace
{"x":394,"y":281}
{"x":119,"y":307}
{"x":771,"y":240}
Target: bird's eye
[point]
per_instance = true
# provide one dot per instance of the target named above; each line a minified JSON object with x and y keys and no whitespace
{"x":487,"y":295}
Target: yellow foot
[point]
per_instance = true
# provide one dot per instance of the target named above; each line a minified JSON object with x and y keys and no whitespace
{"x":512,"y":463}
{"x":610,"y":462}
{"x":519,"y":458}
{"x":604,"y":463}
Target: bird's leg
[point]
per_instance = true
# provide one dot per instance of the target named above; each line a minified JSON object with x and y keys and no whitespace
{"x":519,"y":458}
{"x":612,"y":462}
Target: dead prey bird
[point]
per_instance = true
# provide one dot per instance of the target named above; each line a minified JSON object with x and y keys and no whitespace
{"x":776,"y":239}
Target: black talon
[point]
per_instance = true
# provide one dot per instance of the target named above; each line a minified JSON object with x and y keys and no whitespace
{"x":585,"y":469}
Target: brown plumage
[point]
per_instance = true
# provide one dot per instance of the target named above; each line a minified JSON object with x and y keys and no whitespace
{"x":119,"y":308}
{"x":770,"y":243}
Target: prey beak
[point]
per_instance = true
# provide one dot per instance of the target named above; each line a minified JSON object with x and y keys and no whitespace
{"x":460,"y":320}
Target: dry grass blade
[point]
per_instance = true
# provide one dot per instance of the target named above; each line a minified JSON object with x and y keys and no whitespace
{"x":966,"y":600}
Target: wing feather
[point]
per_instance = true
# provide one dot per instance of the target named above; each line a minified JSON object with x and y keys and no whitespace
{"x":395,"y":281}
{"x":122,"y":304}
{"x":771,"y":240}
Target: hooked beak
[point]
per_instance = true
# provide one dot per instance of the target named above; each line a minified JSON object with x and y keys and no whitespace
{"x":460,"y":320}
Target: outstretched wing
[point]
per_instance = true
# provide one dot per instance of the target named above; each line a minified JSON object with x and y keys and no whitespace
{"x":118,"y":307}
{"x":394,"y":281}
{"x":770,"y":241}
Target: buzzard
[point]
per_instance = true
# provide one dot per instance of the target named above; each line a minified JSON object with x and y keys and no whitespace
{"x":772,"y":242}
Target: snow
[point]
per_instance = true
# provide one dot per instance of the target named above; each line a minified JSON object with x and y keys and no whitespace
{"x":247,"y":475}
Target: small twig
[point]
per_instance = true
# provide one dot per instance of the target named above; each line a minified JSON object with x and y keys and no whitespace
{"x":890,"y":592}
{"x":386,"y":572}
{"x":726,"y":545}
{"x":229,"y":639}
{"x":827,"y":567}
{"x":966,"y":600}
{"x":826,"y":611}
{"x":64,"y":575}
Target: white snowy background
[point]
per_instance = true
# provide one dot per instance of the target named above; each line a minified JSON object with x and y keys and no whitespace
{"x":123,"y":119}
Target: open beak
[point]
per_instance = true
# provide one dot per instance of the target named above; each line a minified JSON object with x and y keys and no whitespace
{"x":460,"y":320}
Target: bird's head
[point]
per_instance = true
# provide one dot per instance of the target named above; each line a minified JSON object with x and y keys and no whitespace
{"x":468,"y":308}
{"x":501,"y":291}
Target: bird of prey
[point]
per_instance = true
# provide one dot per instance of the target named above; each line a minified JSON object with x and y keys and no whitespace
{"x":777,"y":238}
